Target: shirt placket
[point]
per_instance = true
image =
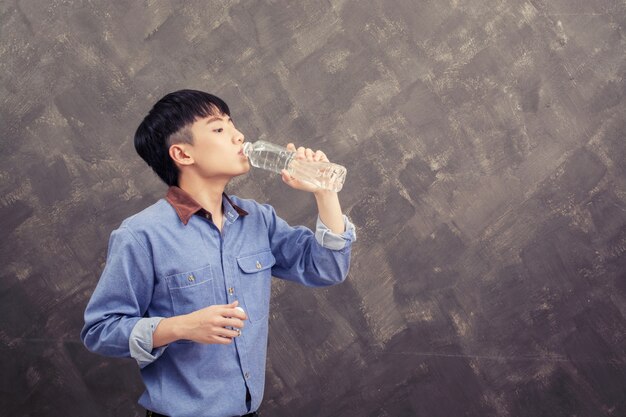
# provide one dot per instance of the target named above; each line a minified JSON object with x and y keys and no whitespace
{"x":231,"y":282}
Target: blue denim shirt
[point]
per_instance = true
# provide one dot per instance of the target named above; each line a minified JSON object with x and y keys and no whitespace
{"x":161,"y":263}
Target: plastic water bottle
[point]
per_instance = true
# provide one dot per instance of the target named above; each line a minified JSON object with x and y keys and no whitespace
{"x":325,"y":175}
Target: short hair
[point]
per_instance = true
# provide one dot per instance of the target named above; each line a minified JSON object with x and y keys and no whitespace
{"x":169,"y":122}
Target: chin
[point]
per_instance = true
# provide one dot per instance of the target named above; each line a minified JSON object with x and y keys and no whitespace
{"x":244,"y":171}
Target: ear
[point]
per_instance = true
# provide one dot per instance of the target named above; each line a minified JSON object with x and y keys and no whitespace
{"x":180,"y":155}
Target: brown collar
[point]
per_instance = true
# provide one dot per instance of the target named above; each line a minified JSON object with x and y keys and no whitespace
{"x":186,"y":206}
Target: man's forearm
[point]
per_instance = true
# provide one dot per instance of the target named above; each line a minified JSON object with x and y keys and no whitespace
{"x":167,"y":331}
{"x":329,"y":210}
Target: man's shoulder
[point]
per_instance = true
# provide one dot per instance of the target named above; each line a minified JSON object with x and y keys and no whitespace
{"x":159,"y":213}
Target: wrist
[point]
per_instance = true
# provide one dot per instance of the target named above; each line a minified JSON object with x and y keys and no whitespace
{"x":322,"y":194}
{"x":179,"y":326}
{"x":169,"y":330}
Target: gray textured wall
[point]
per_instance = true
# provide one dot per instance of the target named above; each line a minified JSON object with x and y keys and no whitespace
{"x":486,"y":149}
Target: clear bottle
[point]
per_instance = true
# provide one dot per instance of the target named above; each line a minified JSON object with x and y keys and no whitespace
{"x":325,"y":175}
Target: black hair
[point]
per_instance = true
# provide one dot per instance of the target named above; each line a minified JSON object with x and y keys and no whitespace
{"x":169,"y":122}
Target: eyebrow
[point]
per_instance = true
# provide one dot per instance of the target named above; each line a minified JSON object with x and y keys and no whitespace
{"x":212,"y":119}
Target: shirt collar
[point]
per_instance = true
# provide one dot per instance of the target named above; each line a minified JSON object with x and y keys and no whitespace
{"x":186,"y":206}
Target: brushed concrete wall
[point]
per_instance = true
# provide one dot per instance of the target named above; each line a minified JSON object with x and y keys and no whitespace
{"x":486,"y":148}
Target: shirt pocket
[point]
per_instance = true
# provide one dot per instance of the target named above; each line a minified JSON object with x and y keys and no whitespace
{"x":191,"y":291}
{"x":256,"y":279}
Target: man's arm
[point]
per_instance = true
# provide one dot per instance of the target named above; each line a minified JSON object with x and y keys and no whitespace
{"x":207,"y":325}
{"x":313,"y":259}
{"x":329,"y":210}
{"x":328,"y":205}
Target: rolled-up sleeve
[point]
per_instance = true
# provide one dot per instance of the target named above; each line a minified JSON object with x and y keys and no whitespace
{"x":334,"y":241}
{"x":141,"y":344}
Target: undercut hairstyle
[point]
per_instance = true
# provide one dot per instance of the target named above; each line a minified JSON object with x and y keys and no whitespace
{"x":168,"y":123}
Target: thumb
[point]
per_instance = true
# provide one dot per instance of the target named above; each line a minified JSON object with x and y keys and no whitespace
{"x":287,"y":178}
{"x":233,"y":304}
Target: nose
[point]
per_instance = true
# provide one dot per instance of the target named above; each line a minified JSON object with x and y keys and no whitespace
{"x":239,"y":137}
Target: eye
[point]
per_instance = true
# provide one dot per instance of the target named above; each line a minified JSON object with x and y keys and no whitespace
{"x":218,"y":130}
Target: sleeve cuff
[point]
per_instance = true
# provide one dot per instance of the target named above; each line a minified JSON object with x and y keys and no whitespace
{"x":334,"y":241}
{"x":140,"y":341}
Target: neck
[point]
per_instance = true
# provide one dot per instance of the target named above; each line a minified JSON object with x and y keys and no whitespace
{"x":207,"y":193}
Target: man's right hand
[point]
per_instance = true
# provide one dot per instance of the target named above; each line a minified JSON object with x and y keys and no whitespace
{"x":216,"y":324}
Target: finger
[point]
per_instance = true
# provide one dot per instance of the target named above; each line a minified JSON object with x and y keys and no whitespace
{"x":227,"y":323}
{"x":219,"y":340}
{"x":234,"y":322}
{"x":238,"y":313}
{"x":223,"y":308}
{"x":291,"y":147}
{"x":225,"y":332}
{"x":229,"y":310}
{"x":231,"y":333}
{"x":320,"y":156}
{"x":287,"y":178}
{"x":308,"y":153}
{"x":300,"y":153}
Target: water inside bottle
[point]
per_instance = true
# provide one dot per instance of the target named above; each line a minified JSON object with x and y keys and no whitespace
{"x":274,"y":158}
{"x":268,"y":156}
{"x":325,"y":175}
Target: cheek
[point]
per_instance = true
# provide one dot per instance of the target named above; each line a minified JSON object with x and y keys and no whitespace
{"x":214,"y":160}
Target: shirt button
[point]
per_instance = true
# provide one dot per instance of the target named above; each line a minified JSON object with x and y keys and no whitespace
{"x":247,"y":375}
{"x":258,"y":265}
{"x":231,"y":290}
{"x":191,"y":278}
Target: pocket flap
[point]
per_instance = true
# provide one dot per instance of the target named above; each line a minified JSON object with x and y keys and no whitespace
{"x":189,"y":279}
{"x":251,"y":264}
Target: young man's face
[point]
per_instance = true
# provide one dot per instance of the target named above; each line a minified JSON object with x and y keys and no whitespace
{"x":217,"y":148}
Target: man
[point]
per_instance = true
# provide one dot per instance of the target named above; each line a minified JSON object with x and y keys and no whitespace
{"x":186,"y":287}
